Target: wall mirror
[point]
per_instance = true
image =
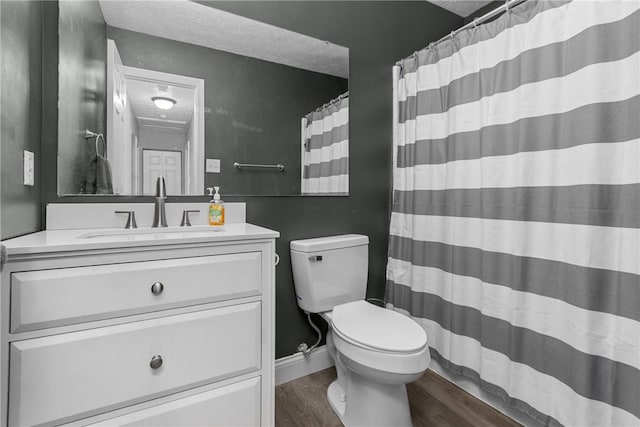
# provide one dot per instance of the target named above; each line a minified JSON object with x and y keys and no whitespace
{"x":200,"y":96}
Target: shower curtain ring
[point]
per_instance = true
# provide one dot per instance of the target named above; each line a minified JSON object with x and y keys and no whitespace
{"x":507,"y":5}
{"x":431,"y":47}
{"x":475,"y":23}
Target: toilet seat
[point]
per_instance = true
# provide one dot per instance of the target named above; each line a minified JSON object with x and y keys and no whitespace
{"x":377,"y":329}
{"x":366,"y":360}
{"x":379,"y":340}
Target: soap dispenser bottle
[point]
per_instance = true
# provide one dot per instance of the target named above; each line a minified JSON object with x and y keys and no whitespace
{"x":216,"y":208}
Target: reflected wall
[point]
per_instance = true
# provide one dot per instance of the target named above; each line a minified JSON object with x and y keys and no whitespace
{"x":253,"y":108}
{"x":82,"y":65}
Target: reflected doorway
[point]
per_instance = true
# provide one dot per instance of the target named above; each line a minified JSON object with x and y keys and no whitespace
{"x":167,"y":164}
{"x":155,"y":125}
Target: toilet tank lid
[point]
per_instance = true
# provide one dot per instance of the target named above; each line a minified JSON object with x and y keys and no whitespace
{"x":328,"y":243}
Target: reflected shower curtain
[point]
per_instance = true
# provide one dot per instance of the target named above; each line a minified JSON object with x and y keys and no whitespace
{"x":515,"y":228}
{"x":325,"y":155}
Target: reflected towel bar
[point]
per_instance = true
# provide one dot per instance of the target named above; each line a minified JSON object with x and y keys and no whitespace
{"x":279,"y":166}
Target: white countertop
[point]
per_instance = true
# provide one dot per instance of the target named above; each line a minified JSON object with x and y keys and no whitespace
{"x":110,"y":238}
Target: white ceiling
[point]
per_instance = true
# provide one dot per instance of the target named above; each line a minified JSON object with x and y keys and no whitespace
{"x":139,"y":94}
{"x":463,"y":8}
{"x":194,"y":23}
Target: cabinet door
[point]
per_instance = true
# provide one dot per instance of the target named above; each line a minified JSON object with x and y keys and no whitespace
{"x":233,"y":405}
{"x":47,"y":298}
{"x":70,"y":376}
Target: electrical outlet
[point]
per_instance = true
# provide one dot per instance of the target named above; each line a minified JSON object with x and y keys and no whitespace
{"x":29,"y":168}
{"x":213,"y":165}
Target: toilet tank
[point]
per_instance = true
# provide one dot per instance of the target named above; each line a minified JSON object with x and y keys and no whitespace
{"x":328,"y":271}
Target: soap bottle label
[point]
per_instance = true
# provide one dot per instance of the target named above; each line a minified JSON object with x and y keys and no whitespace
{"x":216,"y":214}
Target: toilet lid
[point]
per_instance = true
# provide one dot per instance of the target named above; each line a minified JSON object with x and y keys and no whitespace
{"x":377,"y":327}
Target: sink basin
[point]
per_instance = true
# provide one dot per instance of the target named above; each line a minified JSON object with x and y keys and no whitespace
{"x":153,"y":232}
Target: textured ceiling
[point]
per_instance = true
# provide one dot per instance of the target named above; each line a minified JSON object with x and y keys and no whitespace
{"x":463,"y":8}
{"x":194,"y":23}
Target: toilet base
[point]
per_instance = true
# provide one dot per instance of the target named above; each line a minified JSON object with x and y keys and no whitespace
{"x":337,"y":399}
{"x":384,"y":405}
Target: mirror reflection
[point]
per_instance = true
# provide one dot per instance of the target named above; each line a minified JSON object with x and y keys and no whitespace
{"x":156,"y":128}
{"x":183,"y":90}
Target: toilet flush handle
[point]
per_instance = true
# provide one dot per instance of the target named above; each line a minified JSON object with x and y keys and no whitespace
{"x":315,"y":258}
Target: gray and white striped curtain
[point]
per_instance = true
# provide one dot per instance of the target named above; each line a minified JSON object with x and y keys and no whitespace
{"x":515,"y":230}
{"x":325,"y":156}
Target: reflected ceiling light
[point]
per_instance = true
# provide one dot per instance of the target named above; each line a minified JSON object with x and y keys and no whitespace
{"x":163,"y":103}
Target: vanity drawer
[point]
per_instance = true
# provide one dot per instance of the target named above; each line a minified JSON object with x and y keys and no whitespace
{"x":48,"y":298}
{"x":233,"y":405}
{"x":75,"y":375}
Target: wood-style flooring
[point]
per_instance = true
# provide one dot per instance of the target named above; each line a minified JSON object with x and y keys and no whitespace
{"x":434,"y":401}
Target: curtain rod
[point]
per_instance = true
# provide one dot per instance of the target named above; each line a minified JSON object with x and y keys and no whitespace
{"x":330,"y":103}
{"x":508,"y":4}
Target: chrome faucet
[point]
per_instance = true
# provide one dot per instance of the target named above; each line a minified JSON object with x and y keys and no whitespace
{"x":159,"y":213}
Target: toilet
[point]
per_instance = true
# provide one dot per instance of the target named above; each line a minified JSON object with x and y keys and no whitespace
{"x":376,"y":351}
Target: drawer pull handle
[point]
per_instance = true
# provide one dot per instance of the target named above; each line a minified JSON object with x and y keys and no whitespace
{"x":156,"y":361}
{"x":157,"y":288}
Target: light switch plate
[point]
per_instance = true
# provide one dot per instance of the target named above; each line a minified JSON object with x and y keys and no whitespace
{"x":29,"y":168}
{"x":213,"y":165}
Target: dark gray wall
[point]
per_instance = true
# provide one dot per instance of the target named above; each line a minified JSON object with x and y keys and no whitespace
{"x":483,"y":10}
{"x":83,"y":63}
{"x":20,"y":48}
{"x":377,"y":33}
{"x":252,"y":107}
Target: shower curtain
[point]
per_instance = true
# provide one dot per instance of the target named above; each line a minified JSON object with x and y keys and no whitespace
{"x":515,"y":226}
{"x":325,"y":154}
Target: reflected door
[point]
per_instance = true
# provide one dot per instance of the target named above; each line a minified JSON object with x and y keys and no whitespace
{"x":157,"y":163}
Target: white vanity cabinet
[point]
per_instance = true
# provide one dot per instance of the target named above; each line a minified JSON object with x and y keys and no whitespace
{"x":139,"y":332}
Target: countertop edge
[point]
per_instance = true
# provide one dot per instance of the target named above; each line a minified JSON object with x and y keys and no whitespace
{"x":64,"y":241}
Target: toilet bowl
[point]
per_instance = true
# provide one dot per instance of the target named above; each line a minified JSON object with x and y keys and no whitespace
{"x":376,"y":351}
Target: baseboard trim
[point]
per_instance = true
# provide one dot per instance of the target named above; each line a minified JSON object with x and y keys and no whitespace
{"x":297,"y":365}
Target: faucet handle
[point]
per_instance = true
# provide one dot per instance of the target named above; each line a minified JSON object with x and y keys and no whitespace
{"x":131,"y":219}
{"x":185,"y":217}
